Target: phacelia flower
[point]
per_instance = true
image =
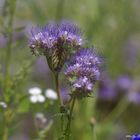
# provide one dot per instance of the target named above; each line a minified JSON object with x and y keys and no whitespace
{"x":56,"y":42}
{"x":135,"y":137}
{"x":83,"y":71}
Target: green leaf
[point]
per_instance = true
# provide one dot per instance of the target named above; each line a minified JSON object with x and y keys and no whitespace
{"x":24,"y":106}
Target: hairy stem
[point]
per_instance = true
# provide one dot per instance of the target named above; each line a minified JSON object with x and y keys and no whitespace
{"x":56,"y":76}
{"x":8,"y":14}
{"x":59,"y":99}
{"x":68,"y":128}
{"x":5,"y":134}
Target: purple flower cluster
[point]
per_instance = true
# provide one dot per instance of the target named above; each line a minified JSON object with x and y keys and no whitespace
{"x":106,"y":89}
{"x":83,"y":71}
{"x":59,"y":42}
{"x":114,"y":89}
{"x":135,"y":137}
{"x":56,"y":42}
{"x":53,"y":35}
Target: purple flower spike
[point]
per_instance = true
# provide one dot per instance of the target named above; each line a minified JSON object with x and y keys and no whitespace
{"x":56,"y":42}
{"x":83,"y":71}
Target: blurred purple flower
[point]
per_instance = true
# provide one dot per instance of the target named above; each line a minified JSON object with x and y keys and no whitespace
{"x":134,"y":98}
{"x":114,"y":90}
{"x":83,"y":71}
{"x":123,"y":83}
{"x":2,"y":41}
{"x":65,"y":95}
{"x":134,"y":93}
{"x":106,"y":89}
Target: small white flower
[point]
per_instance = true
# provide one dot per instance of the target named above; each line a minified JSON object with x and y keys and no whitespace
{"x":33,"y":99}
{"x":3,"y":104}
{"x":35,"y":91}
{"x":37,"y":98}
{"x":35,"y":95}
{"x":51,"y":94}
{"x":41,"y":98}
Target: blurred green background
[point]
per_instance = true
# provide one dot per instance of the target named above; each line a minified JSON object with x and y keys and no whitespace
{"x":111,"y":26}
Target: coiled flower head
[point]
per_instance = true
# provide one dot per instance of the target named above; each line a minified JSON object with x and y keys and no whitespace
{"x":83,"y":71}
{"x":56,"y":41}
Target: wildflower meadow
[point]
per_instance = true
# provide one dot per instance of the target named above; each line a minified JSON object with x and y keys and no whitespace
{"x":69,"y":70}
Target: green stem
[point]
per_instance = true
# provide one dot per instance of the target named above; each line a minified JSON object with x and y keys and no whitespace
{"x":68,"y":129}
{"x":58,"y":89}
{"x":5,"y":133}
{"x":94,"y":133}
{"x":59,"y":99}
{"x":8,"y":14}
{"x":8,"y":116}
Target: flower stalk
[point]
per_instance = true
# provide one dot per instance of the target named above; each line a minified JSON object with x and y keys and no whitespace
{"x":8,"y":14}
{"x":8,"y":25}
{"x":59,"y":42}
{"x":56,"y":76}
{"x":68,"y":128}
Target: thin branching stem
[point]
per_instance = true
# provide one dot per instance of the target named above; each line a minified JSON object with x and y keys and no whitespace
{"x":8,"y":13}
